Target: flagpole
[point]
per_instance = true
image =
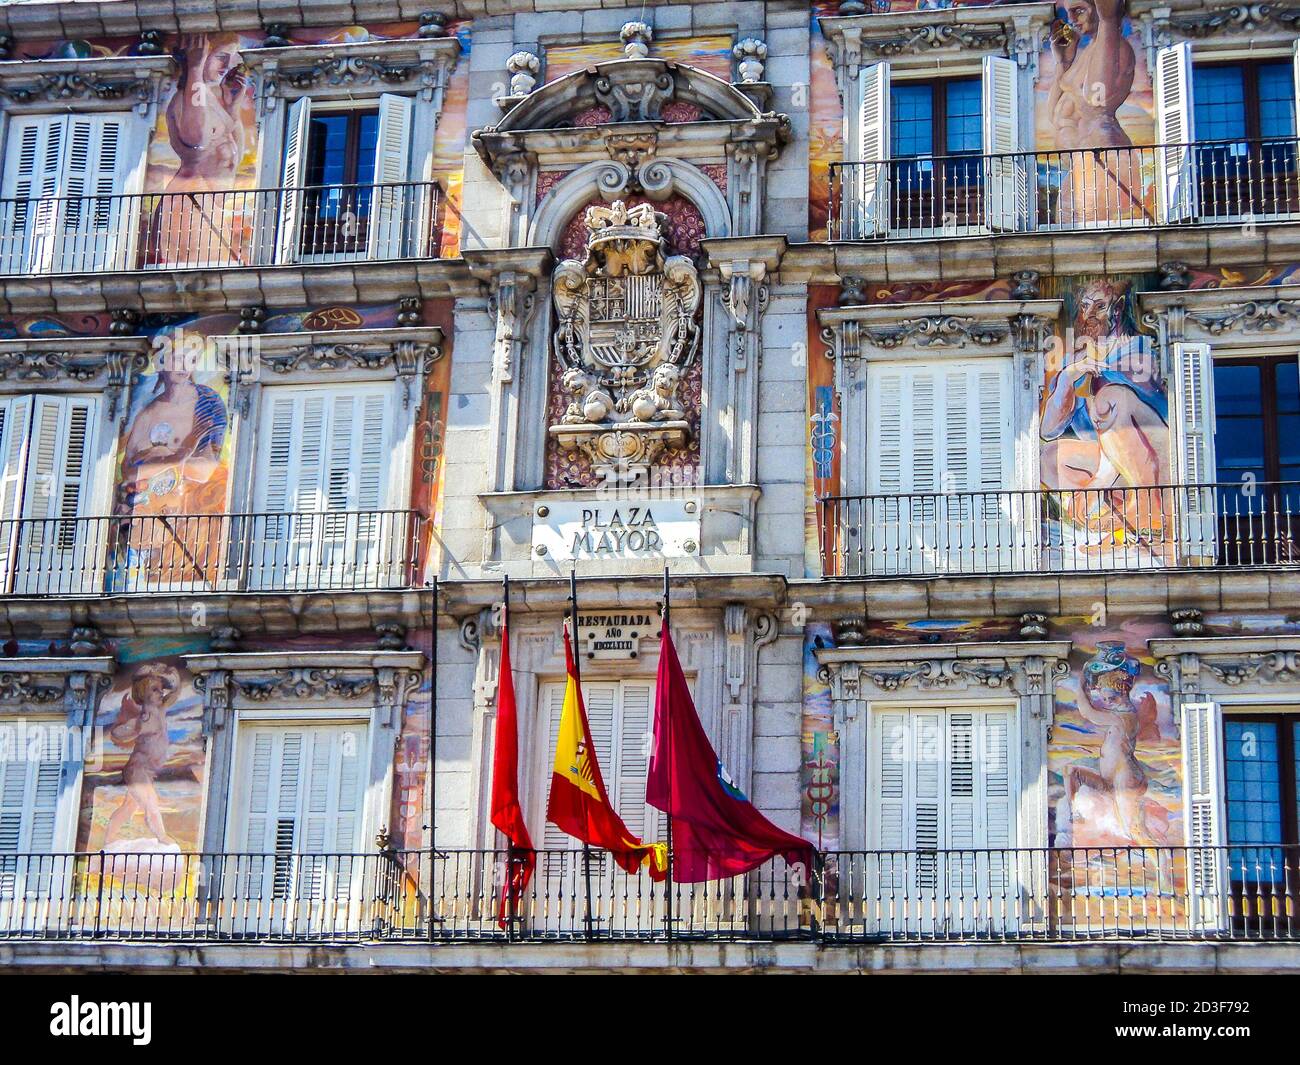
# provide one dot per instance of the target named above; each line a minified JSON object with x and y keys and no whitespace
{"x":668,"y":731}
{"x":577,"y":679}
{"x":508,"y":887}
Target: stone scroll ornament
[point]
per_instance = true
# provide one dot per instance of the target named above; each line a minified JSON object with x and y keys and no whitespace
{"x":627,"y":331}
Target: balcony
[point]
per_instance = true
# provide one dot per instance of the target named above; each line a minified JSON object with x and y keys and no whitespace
{"x":218,"y":230}
{"x":1061,"y":531}
{"x":1062,"y":895}
{"x":186,"y":554}
{"x":1137,"y":187}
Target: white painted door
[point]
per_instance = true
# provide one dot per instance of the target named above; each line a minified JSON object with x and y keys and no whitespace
{"x":299,"y":801}
{"x":33,"y":880}
{"x":942,"y":823}
{"x":939,"y":461}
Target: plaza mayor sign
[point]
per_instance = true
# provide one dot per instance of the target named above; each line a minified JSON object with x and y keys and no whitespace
{"x":620,"y":528}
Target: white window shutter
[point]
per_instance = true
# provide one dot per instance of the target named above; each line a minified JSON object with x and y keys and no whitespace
{"x":893,"y":818}
{"x":553,"y":838}
{"x":33,"y":167}
{"x":869,"y":200}
{"x":1295,"y":67}
{"x":635,"y":724}
{"x":1006,"y":204}
{"x":53,"y":544}
{"x":1203,"y":811}
{"x":94,"y":174}
{"x":29,"y":814}
{"x":293,"y":175}
{"x":1194,"y":463}
{"x":1176,"y":196}
{"x":391,"y":197}
{"x":15,"y":419}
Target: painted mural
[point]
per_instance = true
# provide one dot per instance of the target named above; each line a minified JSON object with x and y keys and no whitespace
{"x":145,"y":796}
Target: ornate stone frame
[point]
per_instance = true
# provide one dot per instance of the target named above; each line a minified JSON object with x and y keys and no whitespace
{"x":1219,"y":29}
{"x":336,"y":73}
{"x":47,"y":86}
{"x":1021,"y":673}
{"x":718,"y":649}
{"x":402,"y":355}
{"x":364,"y":685}
{"x":1015,"y":329}
{"x":62,"y":694}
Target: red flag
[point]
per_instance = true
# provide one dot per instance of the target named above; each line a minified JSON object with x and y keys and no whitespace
{"x":507,"y":815}
{"x":717,"y":831}
{"x":579,"y":804}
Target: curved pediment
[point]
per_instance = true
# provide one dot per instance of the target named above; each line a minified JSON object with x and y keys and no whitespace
{"x":632,"y":90}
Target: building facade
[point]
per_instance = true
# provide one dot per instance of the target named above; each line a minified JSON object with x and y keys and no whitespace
{"x":945,"y":356}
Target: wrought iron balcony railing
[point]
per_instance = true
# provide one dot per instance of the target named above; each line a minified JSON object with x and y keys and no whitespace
{"x":1061,"y":531}
{"x":213,"y":230}
{"x":1072,"y":894}
{"x":1212,"y":182}
{"x":342,"y":550}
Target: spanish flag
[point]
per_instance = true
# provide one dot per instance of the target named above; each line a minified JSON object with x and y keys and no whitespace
{"x":579,"y":804}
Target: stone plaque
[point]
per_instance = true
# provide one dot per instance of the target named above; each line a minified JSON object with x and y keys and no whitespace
{"x":615,"y":634}
{"x":617,"y":528}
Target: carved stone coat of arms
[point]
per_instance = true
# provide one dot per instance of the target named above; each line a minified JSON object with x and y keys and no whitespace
{"x":627,"y":332}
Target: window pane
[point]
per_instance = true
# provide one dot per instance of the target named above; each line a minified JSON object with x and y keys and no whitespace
{"x":1288,"y":386}
{"x":1219,"y":99}
{"x":327,"y":150}
{"x":1252,"y":776}
{"x":911,"y":120}
{"x":367,"y":137}
{"x":1276,"y":100}
{"x":1237,"y":389}
{"x":964,"y":127}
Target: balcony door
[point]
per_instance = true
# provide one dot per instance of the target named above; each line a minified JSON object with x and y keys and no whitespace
{"x":939,"y":459}
{"x":47,"y":546}
{"x":345,"y":182}
{"x":942,"y":794}
{"x":322,"y":488}
{"x":296,"y":830}
{"x":1257,"y":459}
{"x":62,"y":209}
{"x":33,"y":880}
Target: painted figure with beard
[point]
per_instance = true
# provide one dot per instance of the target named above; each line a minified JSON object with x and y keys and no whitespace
{"x":1104,"y":424}
{"x":1095,"y":66}
{"x":1120,"y":779}
{"x":206,"y":129}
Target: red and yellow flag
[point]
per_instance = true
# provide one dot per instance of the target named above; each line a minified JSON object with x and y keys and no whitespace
{"x":579,"y":804}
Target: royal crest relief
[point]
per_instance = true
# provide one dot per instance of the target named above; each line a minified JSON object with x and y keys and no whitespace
{"x":627,"y":332}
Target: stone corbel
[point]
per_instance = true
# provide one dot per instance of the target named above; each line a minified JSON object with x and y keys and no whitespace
{"x":214,"y":685}
{"x":511,"y":280}
{"x":744,"y":264}
{"x":736,"y":619}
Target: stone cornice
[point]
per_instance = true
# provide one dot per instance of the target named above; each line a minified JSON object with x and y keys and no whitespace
{"x":886,"y":330}
{"x":68,"y":685}
{"x":1218,"y":663}
{"x":75,"y":363}
{"x":37,"y":84}
{"x":1220,"y":312}
{"x":324,"y":71}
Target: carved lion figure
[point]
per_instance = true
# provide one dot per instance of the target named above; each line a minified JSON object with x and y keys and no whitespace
{"x":658,"y":401}
{"x":591,"y":404}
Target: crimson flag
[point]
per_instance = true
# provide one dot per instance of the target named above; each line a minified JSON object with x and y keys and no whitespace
{"x":717,"y":831}
{"x":507,"y":815}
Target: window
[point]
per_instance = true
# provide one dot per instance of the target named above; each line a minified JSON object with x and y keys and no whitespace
{"x":943,"y":779}
{"x":620,"y":716}
{"x":939,"y":453}
{"x":299,"y":795}
{"x":345,"y":181}
{"x":45,"y":445}
{"x":1240,"y":118}
{"x":1257,"y":446}
{"x":939,"y":153}
{"x":62,"y":208}
{"x":322,"y":486}
{"x":29,"y":801}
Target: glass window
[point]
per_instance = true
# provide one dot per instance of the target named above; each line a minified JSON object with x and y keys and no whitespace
{"x":1276,"y":100}
{"x":911,"y":120}
{"x":964,"y":127}
{"x":1219,"y":98}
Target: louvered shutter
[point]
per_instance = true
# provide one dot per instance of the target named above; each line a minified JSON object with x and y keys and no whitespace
{"x":33,"y":164}
{"x":304,"y":793}
{"x":940,"y":436}
{"x":870,"y":198}
{"x":1203,"y":790}
{"x":15,"y":418}
{"x":94,"y":174}
{"x":29,"y":807}
{"x":1006,"y":205}
{"x":293,"y":174}
{"x":1194,"y":449}
{"x":1295,"y":76}
{"x":54,"y":545}
{"x":1175,"y":133}
{"x":392,"y":197}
